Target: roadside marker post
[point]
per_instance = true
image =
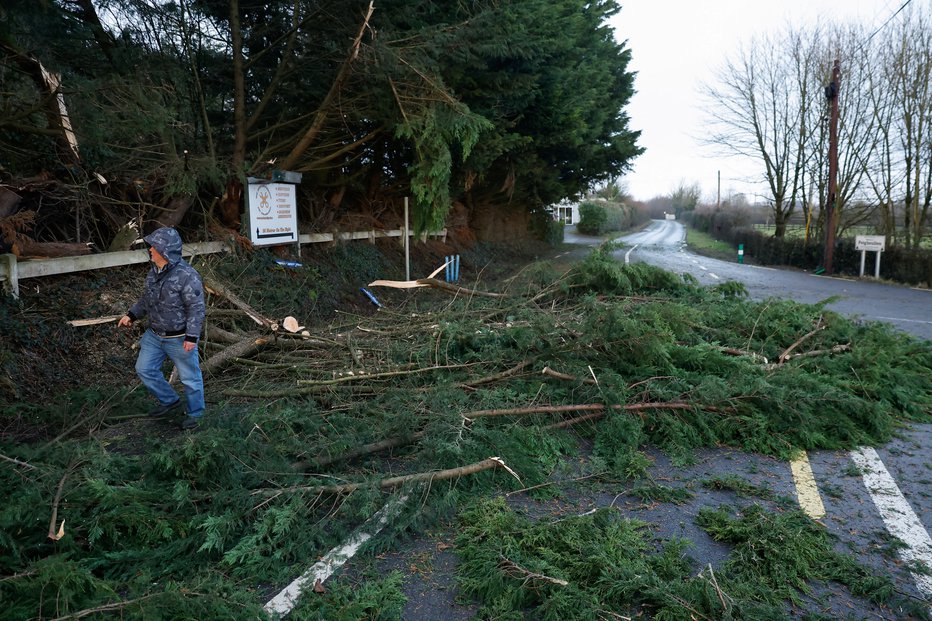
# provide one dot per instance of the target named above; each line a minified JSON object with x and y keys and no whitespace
{"x":740,"y":253}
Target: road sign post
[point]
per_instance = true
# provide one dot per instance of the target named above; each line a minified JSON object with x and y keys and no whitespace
{"x":740,"y":253}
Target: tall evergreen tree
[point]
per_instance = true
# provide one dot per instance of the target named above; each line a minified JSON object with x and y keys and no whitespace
{"x":444,"y":101}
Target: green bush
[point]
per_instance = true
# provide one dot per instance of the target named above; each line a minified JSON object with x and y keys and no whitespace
{"x":592,"y":219}
{"x":550,"y":231}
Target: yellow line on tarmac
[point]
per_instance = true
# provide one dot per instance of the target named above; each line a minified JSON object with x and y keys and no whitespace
{"x":806,"y":489}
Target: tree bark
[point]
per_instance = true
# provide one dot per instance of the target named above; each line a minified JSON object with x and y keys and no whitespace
{"x":239,"y":92}
{"x":325,"y":105}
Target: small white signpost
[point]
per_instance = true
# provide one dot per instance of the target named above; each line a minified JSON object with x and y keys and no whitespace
{"x":874,"y":243}
{"x":273,"y":213}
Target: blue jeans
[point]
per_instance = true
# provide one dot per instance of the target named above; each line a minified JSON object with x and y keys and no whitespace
{"x":152,"y":353}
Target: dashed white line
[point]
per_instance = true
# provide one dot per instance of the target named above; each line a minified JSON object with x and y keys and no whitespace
{"x":282,"y":603}
{"x":899,"y":517}
{"x":703,"y":268}
{"x":714,"y":276}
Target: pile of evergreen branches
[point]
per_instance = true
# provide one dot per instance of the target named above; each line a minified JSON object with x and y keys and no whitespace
{"x":313,"y":434}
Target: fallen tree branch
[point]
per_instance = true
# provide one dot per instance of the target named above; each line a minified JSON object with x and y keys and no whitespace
{"x":456,"y":289}
{"x":497,"y":376}
{"x":79,"y":323}
{"x":786,"y":353}
{"x":584,"y":407}
{"x":361,"y":375}
{"x":566,"y":376}
{"x":22,"y":574}
{"x":436,"y":284}
{"x":13,"y":460}
{"x":216,"y":288}
{"x":731,"y":351}
{"x":575,"y":421}
{"x":219,"y":335}
{"x":514,"y":570}
{"x":360,"y":451}
{"x":393,"y":482}
{"x":108,"y":607}
{"x":837,"y":349}
{"x":53,"y":535}
{"x":243,"y":349}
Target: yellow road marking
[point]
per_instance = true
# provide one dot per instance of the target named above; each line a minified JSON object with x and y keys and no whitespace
{"x":806,"y":489}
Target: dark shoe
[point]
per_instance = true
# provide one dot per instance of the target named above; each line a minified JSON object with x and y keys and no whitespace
{"x":190,"y":423}
{"x":162,"y":410}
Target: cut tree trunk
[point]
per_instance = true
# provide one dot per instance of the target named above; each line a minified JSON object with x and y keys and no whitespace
{"x":37,"y":250}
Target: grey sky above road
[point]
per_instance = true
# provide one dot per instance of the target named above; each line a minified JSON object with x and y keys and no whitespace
{"x":677,"y":45}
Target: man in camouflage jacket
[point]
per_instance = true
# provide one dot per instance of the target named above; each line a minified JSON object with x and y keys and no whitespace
{"x":174,"y":302}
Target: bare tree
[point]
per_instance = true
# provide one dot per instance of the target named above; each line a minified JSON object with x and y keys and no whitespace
{"x":767,"y":104}
{"x":912,"y":84}
{"x":756,"y":110}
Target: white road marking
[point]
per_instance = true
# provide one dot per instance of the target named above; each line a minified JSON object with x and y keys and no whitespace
{"x":628,"y":254}
{"x":282,"y":603}
{"x":806,"y":489}
{"x":831,"y":278}
{"x":714,"y":276}
{"x":899,"y":517}
{"x":703,"y":268}
{"x":695,"y":261}
{"x":760,"y":267}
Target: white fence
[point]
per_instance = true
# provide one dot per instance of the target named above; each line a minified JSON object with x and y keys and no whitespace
{"x":13,"y":270}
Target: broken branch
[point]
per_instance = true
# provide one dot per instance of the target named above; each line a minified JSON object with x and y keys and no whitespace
{"x":786,"y":354}
{"x":598,"y":407}
{"x":218,"y":289}
{"x":514,"y":570}
{"x":393,"y":482}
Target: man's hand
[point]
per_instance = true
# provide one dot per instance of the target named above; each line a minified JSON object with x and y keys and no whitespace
{"x":189,"y":346}
{"x":125,"y":321}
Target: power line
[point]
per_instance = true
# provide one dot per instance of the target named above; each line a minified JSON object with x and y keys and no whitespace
{"x":889,"y":19}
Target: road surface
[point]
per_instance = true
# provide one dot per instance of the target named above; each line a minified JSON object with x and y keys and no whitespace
{"x":876,"y":502}
{"x":663,"y":244}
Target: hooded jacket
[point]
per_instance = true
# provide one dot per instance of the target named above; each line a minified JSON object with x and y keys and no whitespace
{"x":174,"y":296}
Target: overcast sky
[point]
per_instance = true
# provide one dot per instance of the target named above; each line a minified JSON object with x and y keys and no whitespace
{"x":676,"y":45}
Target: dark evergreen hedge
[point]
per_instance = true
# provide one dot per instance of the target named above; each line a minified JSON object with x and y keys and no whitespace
{"x":898,"y":264}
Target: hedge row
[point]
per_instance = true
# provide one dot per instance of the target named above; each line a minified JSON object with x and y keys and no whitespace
{"x":898,"y":264}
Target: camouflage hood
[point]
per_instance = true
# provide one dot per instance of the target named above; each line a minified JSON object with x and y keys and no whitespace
{"x":167,"y":241}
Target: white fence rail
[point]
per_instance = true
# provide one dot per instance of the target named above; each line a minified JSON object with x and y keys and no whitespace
{"x":13,"y":270}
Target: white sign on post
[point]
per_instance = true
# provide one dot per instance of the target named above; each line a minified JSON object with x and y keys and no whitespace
{"x":873,"y":243}
{"x":273,"y":213}
{"x":876,"y":243}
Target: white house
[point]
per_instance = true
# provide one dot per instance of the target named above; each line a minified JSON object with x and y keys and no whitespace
{"x":565,"y":212}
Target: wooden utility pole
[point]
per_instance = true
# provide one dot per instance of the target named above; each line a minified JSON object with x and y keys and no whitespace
{"x":831,"y":93}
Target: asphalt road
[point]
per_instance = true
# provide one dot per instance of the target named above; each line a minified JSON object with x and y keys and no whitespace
{"x":663,"y":244}
{"x":871,"y":516}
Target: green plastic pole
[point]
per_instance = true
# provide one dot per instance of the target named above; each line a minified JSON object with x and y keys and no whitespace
{"x":740,"y":253}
